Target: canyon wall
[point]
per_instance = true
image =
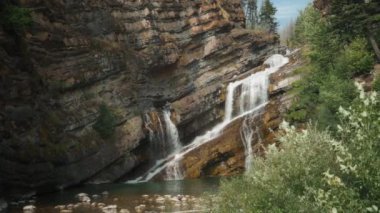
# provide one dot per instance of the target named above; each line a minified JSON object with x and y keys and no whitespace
{"x":131,"y":56}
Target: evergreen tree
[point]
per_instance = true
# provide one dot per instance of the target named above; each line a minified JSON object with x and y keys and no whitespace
{"x":251,"y":14}
{"x":267,"y":16}
{"x":352,"y":18}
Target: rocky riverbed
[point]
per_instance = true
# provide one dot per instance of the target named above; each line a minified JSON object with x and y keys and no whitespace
{"x":170,"y":196}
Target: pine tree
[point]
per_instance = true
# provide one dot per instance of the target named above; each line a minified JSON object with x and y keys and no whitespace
{"x":267,"y":16}
{"x":352,"y":18}
{"x":251,"y":14}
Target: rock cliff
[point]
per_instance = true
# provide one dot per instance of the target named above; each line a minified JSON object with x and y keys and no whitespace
{"x":131,"y":56}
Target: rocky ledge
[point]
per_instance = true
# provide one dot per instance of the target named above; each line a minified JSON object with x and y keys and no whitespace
{"x":132,"y":58}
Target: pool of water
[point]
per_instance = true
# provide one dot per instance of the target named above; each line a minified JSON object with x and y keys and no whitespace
{"x":166,"y":196}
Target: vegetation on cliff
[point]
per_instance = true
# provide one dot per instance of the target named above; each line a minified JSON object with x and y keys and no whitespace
{"x":105,"y":124}
{"x":327,"y":82}
{"x":263,"y":19}
{"x":314,"y":171}
{"x":14,"y":17}
{"x":331,"y":165}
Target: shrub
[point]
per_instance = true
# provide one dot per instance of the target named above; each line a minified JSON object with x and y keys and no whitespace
{"x":314,"y":172}
{"x":333,"y":93}
{"x":355,"y":59}
{"x":376,"y":84}
{"x":105,"y":124}
{"x":16,"y":17}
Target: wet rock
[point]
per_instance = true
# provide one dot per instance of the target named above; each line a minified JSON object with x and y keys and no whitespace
{"x":60,"y":207}
{"x":3,"y":205}
{"x":110,"y":209}
{"x":160,"y":200}
{"x":95,"y":197}
{"x":161,"y":208}
{"x":83,"y":197}
{"x":29,"y":209}
{"x":105,"y":194}
{"x":140,"y":208}
{"x":70,"y":206}
{"x":130,"y":63}
{"x":101,"y":205}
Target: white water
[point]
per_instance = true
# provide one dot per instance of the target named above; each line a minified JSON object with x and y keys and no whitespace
{"x":253,"y":97}
{"x":246,"y":134}
{"x":173,"y":170}
{"x":172,"y":136}
{"x":157,"y":137}
{"x":247,"y":131}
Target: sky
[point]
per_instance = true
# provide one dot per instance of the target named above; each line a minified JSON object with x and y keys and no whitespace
{"x":288,"y":10}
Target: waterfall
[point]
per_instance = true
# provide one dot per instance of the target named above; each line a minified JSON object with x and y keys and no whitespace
{"x":253,"y":97}
{"x":173,"y":170}
{"x":157,"y":135}
{"x":172,"y":136}
{"x":246,"y":134}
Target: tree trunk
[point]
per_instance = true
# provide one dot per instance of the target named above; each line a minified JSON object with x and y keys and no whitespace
{"x":374,"y":44}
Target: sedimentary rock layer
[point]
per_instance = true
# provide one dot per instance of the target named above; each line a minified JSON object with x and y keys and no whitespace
{"x":131,"y":56}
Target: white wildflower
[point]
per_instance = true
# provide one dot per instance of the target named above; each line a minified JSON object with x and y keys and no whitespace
{"x":366,"y":102}
{"x":327,"y":174}
{"x":284,"y":125}
{"x":362,"y":95}
{"x":373,"y":96}
{"x":344,"y":112}
{"x":364,"y":114}
{"x":339,"y":159}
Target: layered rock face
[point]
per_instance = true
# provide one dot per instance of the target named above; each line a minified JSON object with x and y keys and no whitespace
{"x":225,"y":154}
{"x":132,"y":56}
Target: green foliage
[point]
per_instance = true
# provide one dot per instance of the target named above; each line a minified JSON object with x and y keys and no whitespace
{"x":17,"y":18}
{"x":277,"y":182}
{"x":327,"y":80}
{"x":333,"y":93}
{"x":263,"y":20}
{"x":312,"y":171}
{"x":360,"y":133}
{"x":376,"y":84}
{"x":105,"y":124}
{"x":267,"y":16}
{"x":251,"y":13}
{"x":355,"y":59}
{"x":352,"y":18}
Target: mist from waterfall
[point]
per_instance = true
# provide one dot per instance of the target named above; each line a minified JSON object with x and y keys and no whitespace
{"x":244,"y":97}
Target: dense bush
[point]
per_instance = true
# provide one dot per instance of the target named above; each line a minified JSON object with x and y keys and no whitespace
{"x":314,"y":172}
{"x":327,"y":82}
{"x":13,"y":17}
{"x":376,"y":84}
{"x":355,"y":59}
{"x":105,"y":124}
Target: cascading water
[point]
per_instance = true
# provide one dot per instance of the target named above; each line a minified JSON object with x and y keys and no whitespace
{"x":253,"y":97}
{"x":173,"y":171}
{"x":246,"y":134}
{"x":172,"y":136}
